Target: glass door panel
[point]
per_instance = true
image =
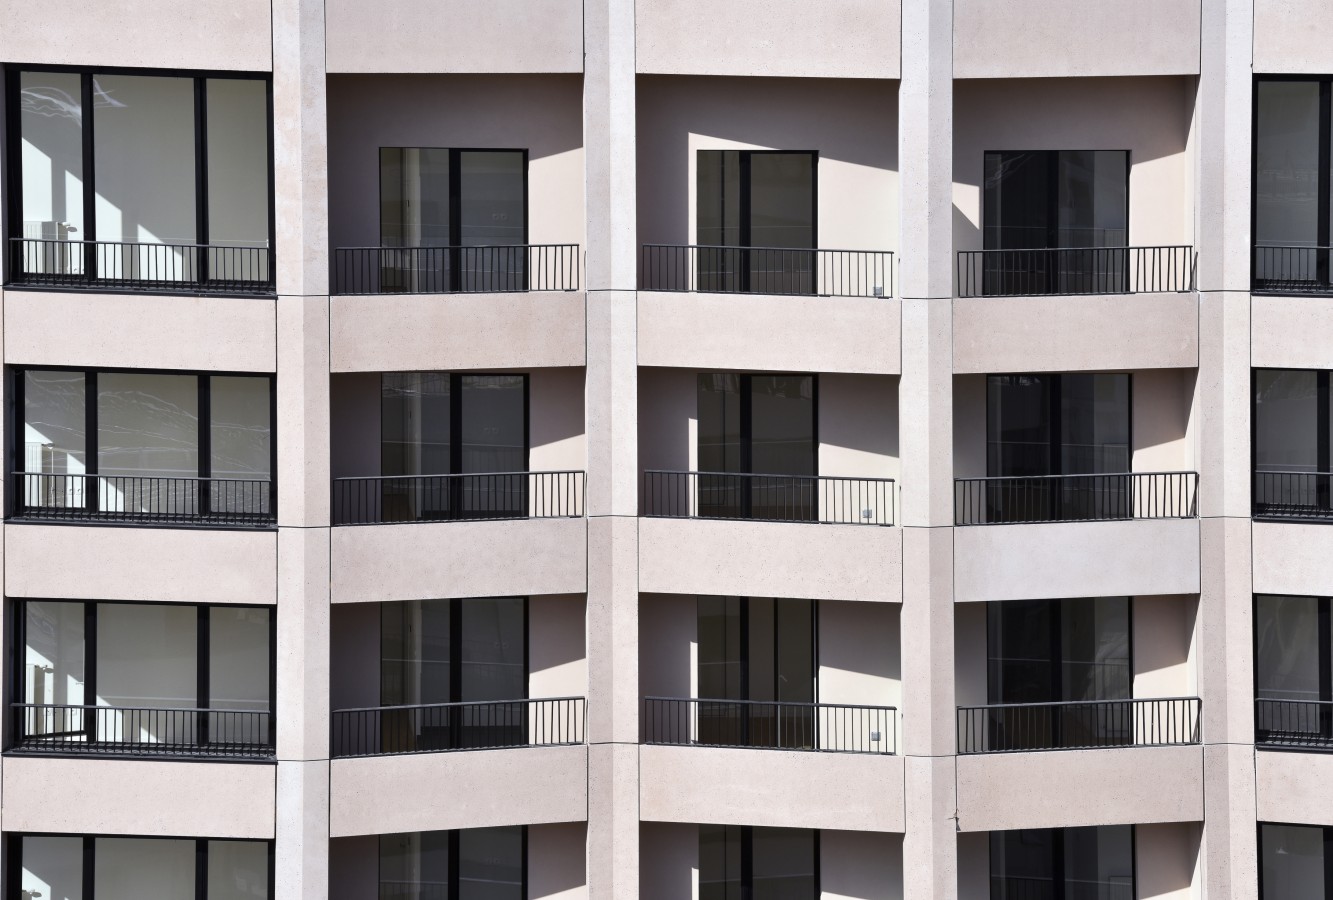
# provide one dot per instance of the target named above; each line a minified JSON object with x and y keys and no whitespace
{"x":51,"y":143}
{"x":493,"y":667}
{"x":1287,"y":186}
{"x":492,"y":186}
{"x":53,"y":669}
{"x":493,"y":440}
{"x":414,"y":214}
{"x":782,"y":436}
{"x":54,"y":439}
{"x":782,"y":219}
{"x":415,"y":439}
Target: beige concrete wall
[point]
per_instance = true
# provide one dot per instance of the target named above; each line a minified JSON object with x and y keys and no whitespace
{"x":1294,"y":787}
{"x":1286,"y":335}
{"x":776,"y":788}
{"x":860,"y":654}
{"x":182,"y":565}
{"x":221,"y":334}
{"x":1076,"y":559}
{"x":858,"y":426}
{"x":847,"y":39}
{"x":1292,"y":558}
{"x":668,"y":645}
{"x":466,"y":36}
{"x":1160,"y":420}
{"x":374,"y":563}
{"x":354,"y":655}
{"x":557,"y":869}
{"x":354,"y":864}
{"x":107,"y":796}
{"x":1163,"y":642}
{"x":698,"y":556}
{"x":557,"y":646}
{"x":1076,"y":334}
{"x":1149,"y":117}
{"x":669,"y":863}
{"x":1293,"y":36}
{"x":523,"y":786}
{"x":542,"y":114}
{"x":556,"y":421}
{"x":850,"y":123}
{"x":1069,"y":788}
{"x":388,"y":333}
{"x":1165,"y":857}
{"x":860,"y":865}
{"x":1053,"y":39}
{"x":208,"y":34}
{"x":743,"y":331}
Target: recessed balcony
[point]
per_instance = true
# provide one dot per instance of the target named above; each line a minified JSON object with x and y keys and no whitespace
{"x":495,"y":269}
{"x":1112,"y":497}
{"x":1078,"y":725}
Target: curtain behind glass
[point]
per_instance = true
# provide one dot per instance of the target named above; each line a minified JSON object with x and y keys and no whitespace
{"x":147,"y":656}
{"x":238,"y":178}
{"x":239,"y":639}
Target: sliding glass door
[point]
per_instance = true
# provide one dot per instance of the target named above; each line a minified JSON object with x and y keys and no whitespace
{"x":1291,"y":184}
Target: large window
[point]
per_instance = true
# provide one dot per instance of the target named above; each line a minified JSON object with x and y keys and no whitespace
{"x":459,"y":217}
{"x":1292,"y":428}
{"x":761,"y":652}
{"x":1293,"y":670}
{"x":467,"y":864}
{"x":470,"y":651}
{"x":739,"y":862}
{"x":1291,"y":184}
{"x":157,"y":678}
{"x":169,"y":175}
{"x":1073,"y":203}
{"x":437,"y":423}
{"x":62,"y":867}
{"x":1063,"y":863}
{"x":144,"y":446}
{"x":757,"y":446}
{"x":1295,"y":862}
{"x":1067,"y":655}
{"x":1061,"y":424}
{"x":756,"y":221}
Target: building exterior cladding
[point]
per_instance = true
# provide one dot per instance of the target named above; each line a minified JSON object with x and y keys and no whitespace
{"x":1000,"y":491}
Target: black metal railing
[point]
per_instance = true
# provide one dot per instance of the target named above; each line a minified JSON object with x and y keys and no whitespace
{"x":389,"y":499}
{"x":771,"y":498}
{"x":1079,"y":270}
{"x":127,"y":265}
{"x":1078,"y":725}
{"x":773,"y":725}
{"x":145,"y":499}
{"x":1076,"y":498}
{"x":142,"y":731}
{"x":1294,"y":723}
{"x":437,"y":727}
{"x":1292,"y":270}
{"x":456,"y":270}
{"x":1293,"y":495}
{"x":766,"y":270}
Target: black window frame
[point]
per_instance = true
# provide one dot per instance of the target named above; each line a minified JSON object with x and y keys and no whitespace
{"x":1054,"y":419}
{"x":14,"y":860}
{"x":1058,"y":868}
{"x":1324,"y":638}
{"x":13,"y":179}
{"x":1324,"y":191}
{"x":453,"y":839}
{"x":1327,"y":834}
{"x":1322,"y":479}
{"x":747,"y":857}
{"x":456,"y":416}
{"x":1053,"y":194}
{"x":15,"y":375}
{"x":17,"y":610}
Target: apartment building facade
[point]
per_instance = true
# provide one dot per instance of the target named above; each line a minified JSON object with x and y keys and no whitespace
{"x":469,"y":450}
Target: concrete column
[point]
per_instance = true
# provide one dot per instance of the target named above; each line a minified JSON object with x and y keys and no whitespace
{"x":1224,"y":632}
{"x":925,"y":154}
{"x":302,"y":274}
{"x":613,"y":456}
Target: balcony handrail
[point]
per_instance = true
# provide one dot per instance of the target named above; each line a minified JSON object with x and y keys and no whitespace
{"x":809,"y":725}
{"x":144,"y":499}
{"x":456,"y":269}
{"x":459,"y":496}
{"x":1082,"y":497}
{"x":181,"y":731}
{"x":1284,"y":722}
{"x":1291,"y":268}
{"x":105,"y":476}
{"x":799,"y":271}
{"x":1055,"y":271}
{"x":158,"y":266}
{"x":757,"y":496}
{"x":462,"y":725}
{"x":1135,"y":722}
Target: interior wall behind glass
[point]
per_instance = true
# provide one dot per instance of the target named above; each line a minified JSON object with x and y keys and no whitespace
{"x":237,"y":870}
{"x":240,"y":427}
{"x":414,"y":423}
{"x":238,"y":162}
{"x":1286,"y":413}
{"x":147,"y":655}
{"x":54,"y":422}
{"x":147,"y":424}
{"x":493,"y":423}
{"x":52,"y":868}
{"x":137,"y":868}
{"x":51,"y":138}
{"x":238,"y":657}
{"x":144,"y":150}
{"x":1286,"y":188}
{"x":414,"y":197}
{"x":54,"y":653}
{"x":492,"y":209}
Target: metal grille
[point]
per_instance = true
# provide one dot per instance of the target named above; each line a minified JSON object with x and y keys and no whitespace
{"x":1078,"y":725}
{"x":456,"y":270}
{"x":766,"y":270}
{"x":101,"y":265}
{"x":143,"y":731}
{"x":449,"y":498}
{"x":1082,"y":270}
{"x":829,"y":727}
{"x":145,"y":499}
{"x":437,"y":727}
{"x":1076,"y":498}
{"x":771,"y":498}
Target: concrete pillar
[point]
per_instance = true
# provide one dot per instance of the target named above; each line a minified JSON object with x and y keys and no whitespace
{"x":613,"y":456}
{"x":925,"y":155}
{"x":1224,"y":631}
{"x":302,"y":274}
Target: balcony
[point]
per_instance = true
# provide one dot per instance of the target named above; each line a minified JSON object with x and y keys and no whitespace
{"x":440,"y":727}
{"x":768,"y":498}
{"x":826,"y":727}
{"x":141,"y":267}
{"x":1078,"y":725}
{"x":397,"y":499}
{"x":456,"y":270}
{"x":766,"y":270}
{"x":1111,"y":497}
{"x":152,"y":732}
{"x":1301,"y":496}
{"x":145,"y":500}
{"x":1081,"y":271}
{"x":1294,"y":724}
{"x":1292,"y":270}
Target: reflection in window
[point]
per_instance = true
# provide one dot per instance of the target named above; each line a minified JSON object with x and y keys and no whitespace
{"x":1291,"y":202}
{"x":1291,"y":862}
{"x":1293,"y":664}
{"x":467,"y":864}
{"x":1063,"y":863}
{"x":738,"y":861}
